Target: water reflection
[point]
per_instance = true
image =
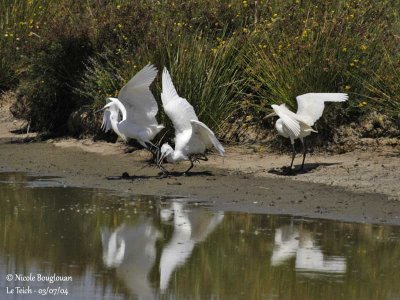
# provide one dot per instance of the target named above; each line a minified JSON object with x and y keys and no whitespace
{"x":146,"y":248}
{"x":190,"y":227}
{"x":294,"y":241}
{"x":131,"y":250}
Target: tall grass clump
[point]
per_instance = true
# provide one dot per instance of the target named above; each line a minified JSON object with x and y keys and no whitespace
{"x":210,"y":78}
{"x":209,"y":75}
{"x":51,"y":65}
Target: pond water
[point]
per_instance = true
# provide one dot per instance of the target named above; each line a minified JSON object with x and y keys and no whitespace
{"x":103,"y":246}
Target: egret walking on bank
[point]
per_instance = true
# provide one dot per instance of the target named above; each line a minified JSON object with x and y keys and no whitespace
{"x":138,"y":107}
{"x":192,"y":137}
{"x":298,"y":125}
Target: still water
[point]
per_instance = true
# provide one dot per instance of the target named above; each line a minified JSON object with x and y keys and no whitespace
{"x":104,"y":246}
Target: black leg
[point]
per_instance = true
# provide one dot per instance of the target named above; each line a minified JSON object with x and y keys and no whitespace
{"x":293,"y":155}
{"x":153,"y":150}
{"x":304,"y":153}
{"x":163,"y":170}
{"x":191,"y":166}
{"x":198,"y":157}
{"x":202,"y":157}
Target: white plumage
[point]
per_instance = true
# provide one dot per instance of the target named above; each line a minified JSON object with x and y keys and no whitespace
{"x":299,"y":125}
{"x":190,"y":227}
{"x":192,"y":137}
{"x":138,"y":108}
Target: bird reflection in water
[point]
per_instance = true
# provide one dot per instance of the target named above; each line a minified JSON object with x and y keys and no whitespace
{"x":130,"y":249}
{"x":292,"y":241}
{"x":190,"y":228}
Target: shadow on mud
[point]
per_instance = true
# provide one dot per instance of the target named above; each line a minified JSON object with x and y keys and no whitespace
{"x":310,"y":167}
{"x":190,"y":174}
{"x":126,"y":176}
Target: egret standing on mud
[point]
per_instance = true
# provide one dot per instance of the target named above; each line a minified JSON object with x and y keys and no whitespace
{"x":192,"y":137}
{"x":298,"y":125}
{"x":138,"y":107}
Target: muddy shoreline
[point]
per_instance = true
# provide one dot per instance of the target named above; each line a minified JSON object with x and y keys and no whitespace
{"x":359,"y":186}
{"x":226,"y":187}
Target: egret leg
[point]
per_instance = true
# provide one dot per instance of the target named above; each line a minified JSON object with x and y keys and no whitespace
{"x":304,"y":153}
{"x":293,"y":155}
{"x":200,"y":156}
{"x":203,"y":157}
{"x":153,"y":150}
{"x":191,"y":165}
{"x":163,"y":170}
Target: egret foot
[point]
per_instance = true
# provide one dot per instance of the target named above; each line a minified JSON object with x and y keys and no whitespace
{"x":163,"y":175}
{"x":164,"y":171}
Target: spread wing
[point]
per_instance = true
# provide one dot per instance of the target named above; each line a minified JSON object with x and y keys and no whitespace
{"x":207,"y":136}
{"x":311,"y":106}
{"x":177,"y":109}
{"x":137,"y":98}
{"x":288,"y":118}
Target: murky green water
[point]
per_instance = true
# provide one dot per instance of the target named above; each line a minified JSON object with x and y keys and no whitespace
{"x":143,"y":247}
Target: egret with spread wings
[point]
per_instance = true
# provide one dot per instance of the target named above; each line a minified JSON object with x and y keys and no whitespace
{"x":138,"y":108}
{"x":299,"y":125}
{"x":192,"y":137}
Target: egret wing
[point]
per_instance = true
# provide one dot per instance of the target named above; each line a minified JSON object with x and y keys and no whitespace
{"x":137,"y":98}
{"x":311,"y":106}
{"x":288,"y":118}
{"x":106,"y":124}
{"x":177,"y":108}
{"x":207,"y":136}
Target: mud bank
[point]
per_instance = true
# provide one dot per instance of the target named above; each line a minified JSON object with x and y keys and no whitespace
{"x":226,"y":187}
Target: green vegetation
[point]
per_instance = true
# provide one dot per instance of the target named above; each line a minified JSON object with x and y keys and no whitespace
{"x":230,"y":59}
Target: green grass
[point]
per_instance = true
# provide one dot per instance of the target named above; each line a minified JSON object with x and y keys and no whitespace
{"x":230,"y":59}
{"x":19,"y":22}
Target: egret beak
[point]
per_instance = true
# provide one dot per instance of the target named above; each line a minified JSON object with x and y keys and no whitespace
{"x":270,"y":115}
{"x":100,"y":110}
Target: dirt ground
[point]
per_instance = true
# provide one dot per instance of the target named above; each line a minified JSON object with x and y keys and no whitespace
{"x":361,"y":186}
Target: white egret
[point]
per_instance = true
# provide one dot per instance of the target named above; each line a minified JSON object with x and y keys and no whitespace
{"x":192,"y":137}
{"x":138,"y":107}
{"x":298,"y":125}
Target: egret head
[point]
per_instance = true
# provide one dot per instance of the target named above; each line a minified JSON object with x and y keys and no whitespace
{"x":110,"y":105}
{"x":166,"y":150}
{"x":274,"y":106}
